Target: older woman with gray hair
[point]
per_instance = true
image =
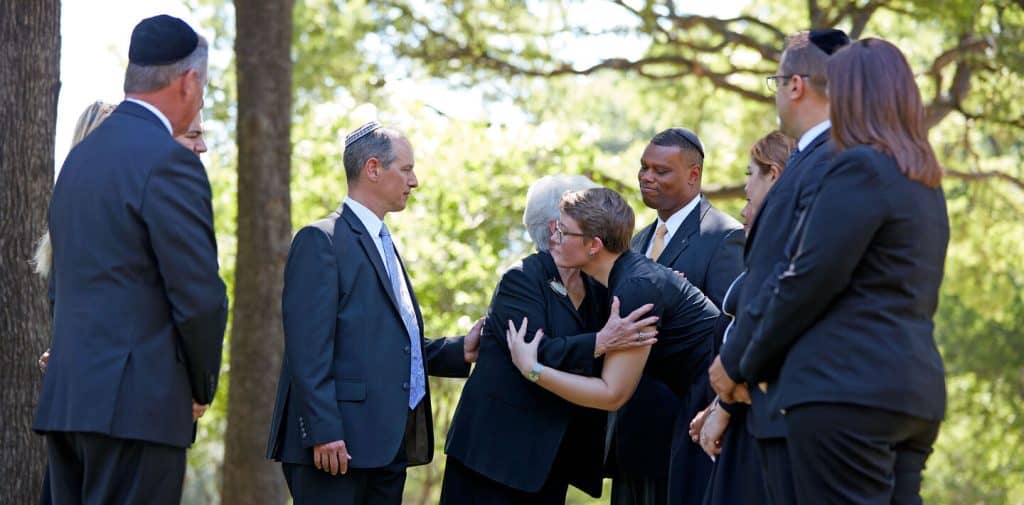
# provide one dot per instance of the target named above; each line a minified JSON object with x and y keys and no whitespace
{"x":510,"y":441}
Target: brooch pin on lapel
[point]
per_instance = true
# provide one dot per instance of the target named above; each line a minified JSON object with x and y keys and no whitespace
{"x":557,"y":287}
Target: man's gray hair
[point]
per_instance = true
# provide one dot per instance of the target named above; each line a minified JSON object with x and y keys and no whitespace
{"x":376,"y":144}
{"x":146,"y":79}
{"x":542,"y":201}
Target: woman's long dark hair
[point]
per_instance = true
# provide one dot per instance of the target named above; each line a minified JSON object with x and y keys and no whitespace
{"x":875,"y":101}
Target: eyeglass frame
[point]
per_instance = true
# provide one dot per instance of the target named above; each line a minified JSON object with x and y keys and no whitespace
{"x":558,"y":234}
{"x":771,"y":81}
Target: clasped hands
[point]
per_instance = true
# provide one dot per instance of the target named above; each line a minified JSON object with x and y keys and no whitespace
{"x":727,"y":389}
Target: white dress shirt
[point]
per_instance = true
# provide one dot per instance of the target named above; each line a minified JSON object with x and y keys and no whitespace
{"x":810,"y":135}
{"x":160,"y":115}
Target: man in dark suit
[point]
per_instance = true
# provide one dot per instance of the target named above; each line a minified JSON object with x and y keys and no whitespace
{"x":690,"y":236}
{"x":803,"y":108}
{"x":353,"y":404}
{"x":139,"y":308}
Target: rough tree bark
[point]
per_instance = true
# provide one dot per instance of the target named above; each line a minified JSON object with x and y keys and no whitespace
{"x":263,"y":55}
{"x":29,"y":83}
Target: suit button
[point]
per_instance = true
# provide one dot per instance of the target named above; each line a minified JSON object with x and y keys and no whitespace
{"x":406,"y":350}
{"x":405,"y":386}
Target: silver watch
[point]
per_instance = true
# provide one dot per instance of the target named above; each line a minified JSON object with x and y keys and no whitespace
{"x":534,"y":373}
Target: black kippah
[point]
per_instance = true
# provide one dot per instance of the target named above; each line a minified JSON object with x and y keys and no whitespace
{"x":830,"y":40}
{"x":161,"y":40}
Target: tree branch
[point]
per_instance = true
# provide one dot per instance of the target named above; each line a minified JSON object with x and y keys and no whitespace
{"x":951,"y":98}
{"x":984,"y":175}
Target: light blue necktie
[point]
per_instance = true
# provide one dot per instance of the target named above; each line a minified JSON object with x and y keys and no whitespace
{"x":417,"y":383}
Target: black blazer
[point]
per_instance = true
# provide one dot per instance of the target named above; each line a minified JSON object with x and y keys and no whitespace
{"x":345,"y":374}
{"x":139,"y":309}
{"x":511,"y":430}
{"x":708,"y":248}
{"x":765,"y":250}
{"x":685,"y":343}
{"x":686,"y":317}
{"x":851,"y":315}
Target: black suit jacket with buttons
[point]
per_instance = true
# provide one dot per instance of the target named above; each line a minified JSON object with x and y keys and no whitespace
{"x":345,"y":374}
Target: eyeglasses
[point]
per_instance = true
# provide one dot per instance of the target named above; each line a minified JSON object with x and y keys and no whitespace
{"x":560,"y":234}
{"x":772,"y":81}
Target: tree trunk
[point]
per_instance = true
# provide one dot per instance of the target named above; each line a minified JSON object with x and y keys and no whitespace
{"x":263,"y":55}
{"x":29,"y":83}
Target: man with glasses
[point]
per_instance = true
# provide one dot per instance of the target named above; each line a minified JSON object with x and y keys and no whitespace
{"x":801,"y":99}
{"x":705,"y":244}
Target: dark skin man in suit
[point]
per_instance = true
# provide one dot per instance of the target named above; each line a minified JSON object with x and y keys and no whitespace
{"x":655,"y":461}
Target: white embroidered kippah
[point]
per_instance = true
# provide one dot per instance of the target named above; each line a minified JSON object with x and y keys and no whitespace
{"x":361,"y":132}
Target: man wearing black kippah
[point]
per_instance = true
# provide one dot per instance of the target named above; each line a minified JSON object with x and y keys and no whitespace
{"x":353,"y":402}
{"x":651,"y":457}
{"x":139,"y":307}
{"x":801,"y":100}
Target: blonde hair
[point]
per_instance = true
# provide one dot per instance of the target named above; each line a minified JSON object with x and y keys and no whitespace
{"x":94,"y":114}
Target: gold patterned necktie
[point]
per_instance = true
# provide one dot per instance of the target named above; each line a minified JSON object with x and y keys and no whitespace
{"x":659,"y":241}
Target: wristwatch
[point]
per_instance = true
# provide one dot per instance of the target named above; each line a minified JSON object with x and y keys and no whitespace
{"x":534,"y":373}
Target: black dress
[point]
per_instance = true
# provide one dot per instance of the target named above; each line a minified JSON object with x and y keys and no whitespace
{"x":736,"y":477}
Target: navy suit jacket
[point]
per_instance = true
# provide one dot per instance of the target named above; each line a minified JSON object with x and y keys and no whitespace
{"x":511,"y":430}
{"x":765,"y":251}
{"x":345,"y":374}
{"x":139,"y":309}
{"x":851,"y":314}
{"x":708,"y":248}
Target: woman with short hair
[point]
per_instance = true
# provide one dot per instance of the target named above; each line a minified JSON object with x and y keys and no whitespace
{"x":511,"y":442}
{"x":593,"y":234}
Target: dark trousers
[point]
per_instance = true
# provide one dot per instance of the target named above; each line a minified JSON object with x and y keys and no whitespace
{"x":88,"y":468}
{"x":777,"y":472}
{"x":369,"y":486}
{"x":634,"y":490}
{"x":689,"y":467}
{"x":45,"y":498}
{"x":358,"y":486}
{"x":463,"y":486}
{"x":850,"y":454}
{"x":736,"y":477}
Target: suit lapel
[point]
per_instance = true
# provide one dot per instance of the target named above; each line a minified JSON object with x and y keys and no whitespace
{"x":681,"y":239}
{"x":370,"y":249}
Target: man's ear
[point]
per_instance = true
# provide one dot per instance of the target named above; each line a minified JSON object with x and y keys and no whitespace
{"x":797,"y":87}
{"x":694,"y":176}
{"x":186,"y":81}
{"x":372,"y":169}
{"x":596,"y":245}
